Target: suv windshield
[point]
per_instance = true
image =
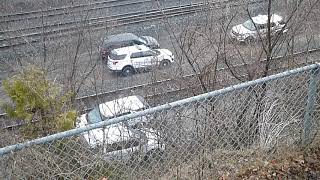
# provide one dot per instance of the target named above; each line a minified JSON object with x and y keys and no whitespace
{"x":249,"y":25}
{"x":94,"y":116}
{"x":115,"y":56}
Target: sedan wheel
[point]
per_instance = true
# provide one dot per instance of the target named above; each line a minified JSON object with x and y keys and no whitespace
{"x":249,"y":40}
{"x":127,"y":71}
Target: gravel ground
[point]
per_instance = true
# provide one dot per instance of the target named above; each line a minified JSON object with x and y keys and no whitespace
{"x":58,"y":63}
{"x":16,"y":6}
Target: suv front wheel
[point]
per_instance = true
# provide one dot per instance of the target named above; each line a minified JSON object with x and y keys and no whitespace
{"x":127,"y":71}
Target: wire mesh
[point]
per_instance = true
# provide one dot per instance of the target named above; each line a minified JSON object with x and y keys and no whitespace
{"x":195,"y":140}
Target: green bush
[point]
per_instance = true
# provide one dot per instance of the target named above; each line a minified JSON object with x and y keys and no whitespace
{"x":39,"y":102}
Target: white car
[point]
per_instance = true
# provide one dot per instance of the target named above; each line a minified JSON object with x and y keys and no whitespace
{"x":121,"y":140}
{"x":114,"y":108}
{"x":251,"y":29}
{"x":128,"y":60}
{"x":123,"y":40}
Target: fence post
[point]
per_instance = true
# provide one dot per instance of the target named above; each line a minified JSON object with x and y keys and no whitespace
{"x":312,"y":93}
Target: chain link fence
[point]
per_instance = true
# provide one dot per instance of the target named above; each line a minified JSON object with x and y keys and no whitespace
{"x":200,"y":137}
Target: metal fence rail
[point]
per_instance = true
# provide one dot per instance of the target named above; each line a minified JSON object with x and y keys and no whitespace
{"x":198,"y":137}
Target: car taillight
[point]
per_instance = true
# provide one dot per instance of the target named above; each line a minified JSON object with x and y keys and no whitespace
{"x":114,"y":62}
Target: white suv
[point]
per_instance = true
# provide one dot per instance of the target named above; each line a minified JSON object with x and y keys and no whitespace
{"x":251,"y":29}
{"x":129,"y":59}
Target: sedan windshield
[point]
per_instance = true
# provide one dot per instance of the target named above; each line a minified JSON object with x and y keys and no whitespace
{"x":94,"y":116}
{"x":143,"y":40}
{"x":249,"y":25}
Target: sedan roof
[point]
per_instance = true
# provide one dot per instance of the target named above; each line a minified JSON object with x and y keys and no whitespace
{"x":121,"y":37}
{"x":122,"y":106}
{"x":263,"y":19}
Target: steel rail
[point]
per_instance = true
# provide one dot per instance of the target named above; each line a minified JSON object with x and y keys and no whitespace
{"x":172,"y":92}
{"x":99,"y":25}
{"x":108,"y":18}
{"x":55,"y":10}
{"x":118,"y":20}
{"x":63,"y":13}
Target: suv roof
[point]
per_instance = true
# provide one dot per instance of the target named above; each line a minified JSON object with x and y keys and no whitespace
{"x":130,"y":49}
{"x":121,"y":37}
{"x":263,"y":19}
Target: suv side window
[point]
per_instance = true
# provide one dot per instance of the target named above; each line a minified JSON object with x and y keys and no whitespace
{"x":143,"y":54}
{"x":115,"y":56}
{"x":148,"y":53}
{"x":136,"y":55}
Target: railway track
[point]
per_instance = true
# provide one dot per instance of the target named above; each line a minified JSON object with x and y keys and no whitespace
{"x":174,"y":89}
{"x":57,"y":30}
{"x":24,"y":16}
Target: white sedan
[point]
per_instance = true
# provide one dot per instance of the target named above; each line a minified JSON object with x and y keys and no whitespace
{"x":256,"y":28}
{"x":120,"y":141}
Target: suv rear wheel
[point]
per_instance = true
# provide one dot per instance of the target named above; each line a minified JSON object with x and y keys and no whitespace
{"x":127,"y":71}
{"x":165,"y":63}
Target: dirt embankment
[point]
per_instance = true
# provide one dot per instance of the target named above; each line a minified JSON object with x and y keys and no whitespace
{"x":301,"y":164}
